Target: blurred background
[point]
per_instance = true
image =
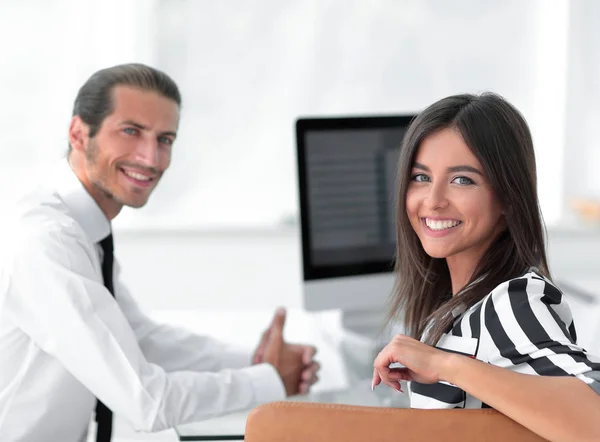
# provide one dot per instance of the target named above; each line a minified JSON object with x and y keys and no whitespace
{"x":247,"y":70}
{"x":228,"y":206}
{"x":221,"y":232}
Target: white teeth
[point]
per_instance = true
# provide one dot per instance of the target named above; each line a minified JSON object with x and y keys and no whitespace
{"x":137,"y":176}
{"x":441,"y":225}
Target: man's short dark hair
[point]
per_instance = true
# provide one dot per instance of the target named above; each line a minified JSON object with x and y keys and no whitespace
{"x":94,"y":100}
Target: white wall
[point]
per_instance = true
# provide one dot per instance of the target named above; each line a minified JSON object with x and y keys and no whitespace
{"x":582,"y":156}
{"x":247,"y":70}
{"x":212,"y":269}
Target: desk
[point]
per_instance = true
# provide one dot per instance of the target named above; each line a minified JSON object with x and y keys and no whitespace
{"x":231,"y":427}
{"x":357,"y":356}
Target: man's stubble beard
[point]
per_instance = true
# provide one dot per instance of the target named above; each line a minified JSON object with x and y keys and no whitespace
{"x":98,"y":181}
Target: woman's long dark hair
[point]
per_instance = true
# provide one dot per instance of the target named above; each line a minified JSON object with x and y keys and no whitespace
{"x":498,"y":136}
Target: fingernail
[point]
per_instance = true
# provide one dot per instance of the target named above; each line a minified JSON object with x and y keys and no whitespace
{"x":373,"y":385}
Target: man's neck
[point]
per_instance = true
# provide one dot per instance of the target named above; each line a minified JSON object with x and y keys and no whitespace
{"x":107,"y":204}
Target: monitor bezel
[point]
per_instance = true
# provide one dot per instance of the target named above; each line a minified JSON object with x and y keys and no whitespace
{"x":310,"y":124}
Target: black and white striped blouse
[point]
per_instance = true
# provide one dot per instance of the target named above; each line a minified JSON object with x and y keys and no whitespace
{"x":525,"y":325}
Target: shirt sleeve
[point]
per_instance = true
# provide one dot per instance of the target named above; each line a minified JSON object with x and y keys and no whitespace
{"x":55,"y":294}
{"x":529,"y":329}
{"x":174,"y":348}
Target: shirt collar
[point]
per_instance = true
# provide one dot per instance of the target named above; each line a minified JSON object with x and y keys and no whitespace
{"x":81,"y":205}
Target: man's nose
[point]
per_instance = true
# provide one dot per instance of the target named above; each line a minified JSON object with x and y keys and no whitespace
{"x":146,"y":153}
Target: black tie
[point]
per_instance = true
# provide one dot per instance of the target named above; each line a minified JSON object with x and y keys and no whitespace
{"x":103,"y":414}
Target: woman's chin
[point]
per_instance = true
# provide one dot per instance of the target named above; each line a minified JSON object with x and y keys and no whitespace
{"x":436,"y":252}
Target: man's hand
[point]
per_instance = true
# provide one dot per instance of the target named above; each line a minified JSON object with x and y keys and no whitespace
{"x":294,"y":363}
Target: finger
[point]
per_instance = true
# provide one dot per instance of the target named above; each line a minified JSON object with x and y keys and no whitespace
{"x":274,"y":345}
{"x":307,"y":374}
{"x":310,"y":371}
{"x":276,"y":328}
{"x":376,"y":379}
{"x":384,"y":359}
{"x":305,"y":386}
{"x":399,"y":388}
{"x":399,"y":374}
{"x":260,"y":350}
{"x":395,"y":385}
{"x":379,"y":377}
{"x":308,"y":353}
{"x":382,"y":368}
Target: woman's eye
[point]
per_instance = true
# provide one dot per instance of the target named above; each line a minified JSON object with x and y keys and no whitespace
{"x":463,"y":181}
{"x":420,"y":178}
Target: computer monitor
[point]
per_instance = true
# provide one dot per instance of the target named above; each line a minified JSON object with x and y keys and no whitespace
{"x":347,"y":190}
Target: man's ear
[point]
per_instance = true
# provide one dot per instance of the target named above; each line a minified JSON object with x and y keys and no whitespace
{"x":78,"y":133}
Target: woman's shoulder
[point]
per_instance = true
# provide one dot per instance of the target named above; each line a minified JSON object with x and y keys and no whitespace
{"x":526,"y":297}
{"x":527,"y":289}
{"x":531,"y":284}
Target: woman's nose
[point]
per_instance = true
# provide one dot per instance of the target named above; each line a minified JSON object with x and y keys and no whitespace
{"x":436,"y":197}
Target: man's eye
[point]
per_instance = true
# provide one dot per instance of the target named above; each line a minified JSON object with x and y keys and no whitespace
{"x":130,"y":131}
{"x":165,"y":140}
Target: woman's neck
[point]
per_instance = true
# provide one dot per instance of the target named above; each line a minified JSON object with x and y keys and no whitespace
{"x":461,"y":270}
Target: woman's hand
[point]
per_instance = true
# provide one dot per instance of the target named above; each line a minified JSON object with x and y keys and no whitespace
{"x":421,"y":363}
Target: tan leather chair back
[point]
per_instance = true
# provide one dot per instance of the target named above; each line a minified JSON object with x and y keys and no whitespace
{"x":303,"y":422}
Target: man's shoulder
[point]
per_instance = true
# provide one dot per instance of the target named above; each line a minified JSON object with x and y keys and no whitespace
{"x":40,"y":214}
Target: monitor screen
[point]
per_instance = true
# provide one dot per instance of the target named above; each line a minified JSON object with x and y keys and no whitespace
{"x":347,"y":183}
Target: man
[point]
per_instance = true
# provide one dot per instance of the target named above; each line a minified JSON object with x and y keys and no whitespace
{"x":72,"y":339}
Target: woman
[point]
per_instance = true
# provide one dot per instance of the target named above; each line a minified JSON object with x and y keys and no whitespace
{"x":487,"y":326}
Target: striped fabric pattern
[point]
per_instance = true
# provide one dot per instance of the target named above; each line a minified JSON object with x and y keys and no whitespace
{"x":525,"y":325}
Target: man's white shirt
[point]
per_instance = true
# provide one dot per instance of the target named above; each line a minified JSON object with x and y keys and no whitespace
{"x":65,"y":341}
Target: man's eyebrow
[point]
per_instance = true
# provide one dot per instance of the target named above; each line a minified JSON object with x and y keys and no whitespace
{"x":168,"y":133}
{"x":133,"y":123}
{"x":142,"y":127}
{"x":461,"y":168}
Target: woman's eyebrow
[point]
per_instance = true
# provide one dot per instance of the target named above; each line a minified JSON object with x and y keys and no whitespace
{"x":461,"y":168}
{"x":464,"y":168}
